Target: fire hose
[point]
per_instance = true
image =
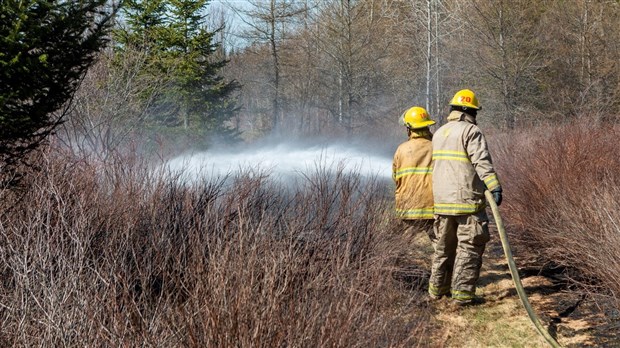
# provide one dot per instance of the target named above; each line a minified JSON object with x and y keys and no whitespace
{"x":515,"y":274}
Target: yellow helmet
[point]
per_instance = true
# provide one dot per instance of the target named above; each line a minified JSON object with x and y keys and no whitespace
{"x":416,"y":118}
{"x":465,"y":98}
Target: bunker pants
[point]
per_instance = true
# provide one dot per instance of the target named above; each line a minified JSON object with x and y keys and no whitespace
{"x":459,"y":243}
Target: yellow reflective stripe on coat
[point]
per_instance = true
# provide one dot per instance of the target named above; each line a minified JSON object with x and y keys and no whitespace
{"x":455,"y":208}
{"x":451,"y":155}
{"x":412,"y":171}
{"x":420,"y":213}
{"x":492,"y":182}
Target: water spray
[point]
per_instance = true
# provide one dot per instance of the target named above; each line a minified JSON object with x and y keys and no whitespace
{"x":285,"y":160}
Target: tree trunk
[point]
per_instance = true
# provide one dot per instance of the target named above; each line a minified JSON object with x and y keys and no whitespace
{"x":429,"y":49}
{"x":508,"y":112}
{"x":437,"y":67}
{"x":276,"y":68}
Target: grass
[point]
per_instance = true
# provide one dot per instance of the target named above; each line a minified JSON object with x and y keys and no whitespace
{"x":493,"y":324}
{"x":501,"y":321}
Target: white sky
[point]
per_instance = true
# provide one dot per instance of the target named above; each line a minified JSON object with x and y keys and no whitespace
{"x":236,"y":25}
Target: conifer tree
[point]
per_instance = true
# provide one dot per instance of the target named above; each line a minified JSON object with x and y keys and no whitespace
{"x":45,"y":48}
{"x":181,"y":50}
{"x":144,"y":20}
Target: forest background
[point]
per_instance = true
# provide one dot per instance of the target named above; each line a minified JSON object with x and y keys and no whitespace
{"x":351,"y":67}
{"x":98,"y":248}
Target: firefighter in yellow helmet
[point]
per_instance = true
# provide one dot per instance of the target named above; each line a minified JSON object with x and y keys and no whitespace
{"x":462,"y":171}
{"x":411,"y":170}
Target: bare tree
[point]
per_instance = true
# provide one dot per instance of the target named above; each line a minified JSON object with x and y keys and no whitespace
{"x":110,"y":105}
{"x":269,"y":23}
{"x":505,"y":33}
{"x":347,"y":34}
{"x":584,"y":57}
{"x":348,"y":64}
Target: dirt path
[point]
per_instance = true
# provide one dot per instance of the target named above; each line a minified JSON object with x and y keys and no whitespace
{"x":501,"y":320}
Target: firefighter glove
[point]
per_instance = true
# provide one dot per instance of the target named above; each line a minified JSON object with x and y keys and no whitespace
{"x":497,"y":196}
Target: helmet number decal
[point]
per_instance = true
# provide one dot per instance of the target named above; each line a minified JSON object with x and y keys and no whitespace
{"x":465,"y":99}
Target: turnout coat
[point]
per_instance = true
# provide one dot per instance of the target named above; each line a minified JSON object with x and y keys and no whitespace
{"x":412,"y":173}
{"x":462,"y":167}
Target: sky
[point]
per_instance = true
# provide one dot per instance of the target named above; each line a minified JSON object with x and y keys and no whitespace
{"x":236,"y":24}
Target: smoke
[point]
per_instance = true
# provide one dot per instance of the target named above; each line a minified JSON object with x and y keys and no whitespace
{"x":286,"y":159}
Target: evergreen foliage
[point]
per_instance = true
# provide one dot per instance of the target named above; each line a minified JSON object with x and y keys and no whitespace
{"x":181,"y":51}
{"x":45,"y":48}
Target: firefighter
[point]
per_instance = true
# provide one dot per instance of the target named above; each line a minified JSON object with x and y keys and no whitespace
{"x":411,"y":170}
{"x":462,"y":171}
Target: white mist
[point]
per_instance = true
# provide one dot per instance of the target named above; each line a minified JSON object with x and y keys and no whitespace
{"x":284,"y":160}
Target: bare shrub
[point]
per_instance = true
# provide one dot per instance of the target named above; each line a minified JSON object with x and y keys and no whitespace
{"x":116,"y":255}
{"x":111,"y":105}
{"x":562,"y":200}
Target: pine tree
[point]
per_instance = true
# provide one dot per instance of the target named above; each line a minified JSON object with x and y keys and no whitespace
{"x":144,"y":19}
{"x":181,"y":50}
{"x":45,"y":48}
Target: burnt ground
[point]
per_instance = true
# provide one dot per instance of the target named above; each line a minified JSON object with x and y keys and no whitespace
{"x":570,"y":315}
